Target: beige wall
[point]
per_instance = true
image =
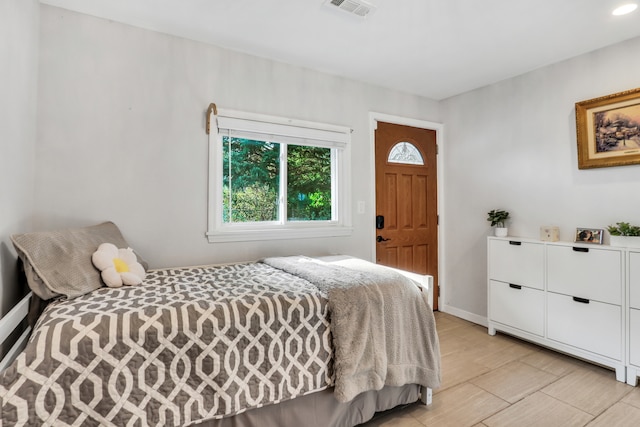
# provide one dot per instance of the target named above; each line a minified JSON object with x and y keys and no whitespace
{"x":121,"y":134}
{"x":512,"y":145}
{"x":18,"y":74}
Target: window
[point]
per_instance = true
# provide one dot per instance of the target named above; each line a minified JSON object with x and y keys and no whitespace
{"x":405,"y":153}
{"x":250,"y":180}
{"x":276,"y":178}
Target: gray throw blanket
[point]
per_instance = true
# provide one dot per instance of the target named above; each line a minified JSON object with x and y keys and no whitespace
{"x":383,"y":327}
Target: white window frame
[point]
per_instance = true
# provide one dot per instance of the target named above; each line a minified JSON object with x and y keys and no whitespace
{"x":283,"y":130}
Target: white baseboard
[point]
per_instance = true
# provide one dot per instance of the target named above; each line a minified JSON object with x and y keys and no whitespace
{"x":471,"y":317}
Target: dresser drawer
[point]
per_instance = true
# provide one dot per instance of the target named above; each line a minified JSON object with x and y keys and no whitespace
{"x":634,"y":337}
{"x":517,"y":306}
{"x":517,"y":262}
{"x":595,"y":326}
{"x":634,"y":279}
{"x":592,"y":273}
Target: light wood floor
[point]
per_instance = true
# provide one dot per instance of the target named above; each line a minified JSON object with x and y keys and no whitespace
{"x":502,"y":381}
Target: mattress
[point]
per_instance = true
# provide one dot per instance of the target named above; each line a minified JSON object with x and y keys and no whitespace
{"x":187,"y":346}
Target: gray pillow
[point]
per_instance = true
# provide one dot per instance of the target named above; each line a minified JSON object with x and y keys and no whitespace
{"x":58,"y":263}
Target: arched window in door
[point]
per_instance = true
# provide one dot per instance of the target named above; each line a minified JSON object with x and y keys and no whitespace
{"x":405,"y":153}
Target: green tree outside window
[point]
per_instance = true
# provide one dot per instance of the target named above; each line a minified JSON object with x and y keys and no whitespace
{"x":251,"y":181}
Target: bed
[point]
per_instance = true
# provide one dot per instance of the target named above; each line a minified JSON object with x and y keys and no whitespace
{"x":285,"y":341}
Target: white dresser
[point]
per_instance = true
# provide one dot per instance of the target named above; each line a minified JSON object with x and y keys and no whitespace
{"x":633,"y":318}
{"x":566,"y":296}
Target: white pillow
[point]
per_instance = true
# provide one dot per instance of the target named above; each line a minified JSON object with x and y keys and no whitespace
{"x":118,"y":266}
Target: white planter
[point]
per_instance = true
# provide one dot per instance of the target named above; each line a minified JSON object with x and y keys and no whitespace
{"x":501,"y":231}
{"x":625,"y":241}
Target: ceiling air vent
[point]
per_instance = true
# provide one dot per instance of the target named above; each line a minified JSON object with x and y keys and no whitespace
{"x":355,"y":7}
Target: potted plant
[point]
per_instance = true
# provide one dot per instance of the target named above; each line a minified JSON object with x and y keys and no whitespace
{"x":497,"y":217}
{"x":624,"y":234}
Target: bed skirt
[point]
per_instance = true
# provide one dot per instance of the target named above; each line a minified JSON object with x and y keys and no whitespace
{"x":321,"y":409}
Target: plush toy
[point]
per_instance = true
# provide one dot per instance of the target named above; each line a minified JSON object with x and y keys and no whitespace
{"x":118,"y":266}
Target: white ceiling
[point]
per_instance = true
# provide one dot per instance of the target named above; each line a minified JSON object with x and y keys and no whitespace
{"x":434,"y":48}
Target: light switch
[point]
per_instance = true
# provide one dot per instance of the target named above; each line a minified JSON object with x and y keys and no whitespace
{"x":361,"y":206}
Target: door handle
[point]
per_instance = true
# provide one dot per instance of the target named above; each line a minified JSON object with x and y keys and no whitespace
{"x":380,"y":239}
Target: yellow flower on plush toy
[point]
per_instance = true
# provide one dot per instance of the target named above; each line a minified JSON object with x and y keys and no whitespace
{"x":118,"y":266}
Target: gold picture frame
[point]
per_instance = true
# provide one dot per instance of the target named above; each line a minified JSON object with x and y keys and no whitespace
{"x":608,"y":130}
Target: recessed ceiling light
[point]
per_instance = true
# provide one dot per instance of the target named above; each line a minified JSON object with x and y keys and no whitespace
{"x":624,"y":9}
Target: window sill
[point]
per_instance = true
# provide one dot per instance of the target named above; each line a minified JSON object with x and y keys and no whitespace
{"x":277,"y":234}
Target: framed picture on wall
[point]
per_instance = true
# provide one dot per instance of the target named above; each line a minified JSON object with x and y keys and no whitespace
{"x":608,"y":130}
{"x":589,"y":235}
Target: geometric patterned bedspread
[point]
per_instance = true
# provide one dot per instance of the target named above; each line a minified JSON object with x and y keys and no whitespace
{"x":187,"y":345}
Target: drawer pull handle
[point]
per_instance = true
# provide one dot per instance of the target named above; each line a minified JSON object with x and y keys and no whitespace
{"x":512,"y":286}
{"x":514,"y":243}
{"x":582,"y":300}
{"x":576,"y":249}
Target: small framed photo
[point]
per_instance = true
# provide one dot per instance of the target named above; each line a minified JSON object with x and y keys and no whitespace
{"x":589,"y":235}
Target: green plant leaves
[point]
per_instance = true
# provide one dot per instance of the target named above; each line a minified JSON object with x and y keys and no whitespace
{"x":497,"y":217}
{"x":623,"y":229}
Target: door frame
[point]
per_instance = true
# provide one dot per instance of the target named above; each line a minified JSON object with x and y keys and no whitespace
{"x":374,"y":118}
